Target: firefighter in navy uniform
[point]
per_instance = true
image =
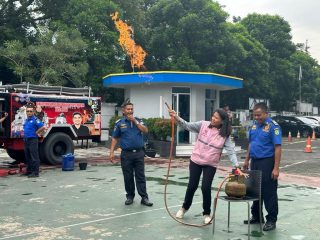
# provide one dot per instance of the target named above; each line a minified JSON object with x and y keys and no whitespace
{"x":129,"y":130}
{"x":32,"y":127}
{"x":265,"y":153}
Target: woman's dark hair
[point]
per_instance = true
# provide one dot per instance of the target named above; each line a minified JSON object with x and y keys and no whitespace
{"x":225,"y":129}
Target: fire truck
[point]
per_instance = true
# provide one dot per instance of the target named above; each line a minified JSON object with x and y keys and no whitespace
{"x":69,"y":115}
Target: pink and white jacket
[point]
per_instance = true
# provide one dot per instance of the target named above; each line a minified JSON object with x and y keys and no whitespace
{"x":209,"y":144}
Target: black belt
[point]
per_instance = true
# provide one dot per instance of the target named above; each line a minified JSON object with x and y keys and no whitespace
{"x":132,"y":150}
{"x":253,"y":158}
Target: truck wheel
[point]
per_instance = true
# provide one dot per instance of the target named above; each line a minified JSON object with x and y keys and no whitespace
{"x":17,"y":155}
{"x":56,"y":145}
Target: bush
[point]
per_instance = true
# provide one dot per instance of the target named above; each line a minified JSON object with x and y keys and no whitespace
{"x":242,"y":133}
{"x":236,"y":122}
{"x":161,"y":129}
{"x":149,"y":122}
{"x":112,"y":122}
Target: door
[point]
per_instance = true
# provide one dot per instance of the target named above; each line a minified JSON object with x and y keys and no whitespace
{"x":181,"y":104}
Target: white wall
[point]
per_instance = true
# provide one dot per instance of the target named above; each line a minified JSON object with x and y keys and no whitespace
{"x":146,"y":100}
{"x":107,"y":111}
{"x":197,"y":103}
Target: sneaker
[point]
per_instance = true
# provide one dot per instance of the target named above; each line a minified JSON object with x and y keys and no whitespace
{"x":180,"y":213}
{"x":269,"y":226}
{"x":206,"y":219}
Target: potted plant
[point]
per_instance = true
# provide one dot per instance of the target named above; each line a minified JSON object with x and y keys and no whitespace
{"x":159,"y":132}
{"x":240,"y":138}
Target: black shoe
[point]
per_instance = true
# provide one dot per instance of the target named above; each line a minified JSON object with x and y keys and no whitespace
{"x":146,"y":202}
{"x":129,"y":201}
{"x":26,"y":174}
{"x":269,"y":226}
{"x":33,"y":175}
{"x":253,"y":220}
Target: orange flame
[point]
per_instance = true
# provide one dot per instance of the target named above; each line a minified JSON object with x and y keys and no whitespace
{"x":134,"y":51}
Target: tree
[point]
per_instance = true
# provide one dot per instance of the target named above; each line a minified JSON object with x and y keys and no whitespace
{"x":56,"y":58}
{"x":103,"y":53}
{"x":181,"y":31}
{"x":17,"y":57}
{"x":247,"y":58}
{"x":310,"y":77}
{"x":275,"y":35}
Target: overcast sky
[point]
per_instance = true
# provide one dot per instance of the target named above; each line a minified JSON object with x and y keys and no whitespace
{"x":302,"y":15}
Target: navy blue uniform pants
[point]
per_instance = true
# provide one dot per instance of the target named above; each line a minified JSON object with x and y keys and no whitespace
{"x":195,"y":171}
{"x":32,"y":155}
{"x":132,"y":164}
{"x":269,"y":189}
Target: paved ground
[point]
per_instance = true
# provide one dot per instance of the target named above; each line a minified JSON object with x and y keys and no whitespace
{"x":90,"y":204}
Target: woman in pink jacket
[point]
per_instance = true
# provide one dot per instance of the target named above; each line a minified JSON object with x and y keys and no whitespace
{"x":212,"y":137}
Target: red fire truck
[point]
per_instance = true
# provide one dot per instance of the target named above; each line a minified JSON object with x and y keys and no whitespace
{"x":69,"y":114}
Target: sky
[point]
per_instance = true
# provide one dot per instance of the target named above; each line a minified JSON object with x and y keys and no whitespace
{"x":302,"y":15}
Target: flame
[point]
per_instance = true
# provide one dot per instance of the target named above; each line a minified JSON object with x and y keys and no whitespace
{"x":134,"y":51}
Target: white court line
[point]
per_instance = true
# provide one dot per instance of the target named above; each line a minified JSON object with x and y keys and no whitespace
{"x":89,"y":222}
{"x":289,"y":165}
{"x":290,"y":143}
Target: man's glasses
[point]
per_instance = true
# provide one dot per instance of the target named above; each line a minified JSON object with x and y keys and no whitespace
{"x":29,"y":111}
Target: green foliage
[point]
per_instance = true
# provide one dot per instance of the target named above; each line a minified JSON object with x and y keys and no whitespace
{"x":235,"y":122}
{"x":159,"y":128}
{"x":150,"y":123}
{"x":56,"y":59}
{"x":240,"y":133}
{"x":17,"y":56}
{"x":112,"y":123}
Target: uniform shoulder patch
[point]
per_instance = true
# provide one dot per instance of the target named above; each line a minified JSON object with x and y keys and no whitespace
{"x":118,"y":120}
{"x":276,"y":131}
{"x":275,"y":123}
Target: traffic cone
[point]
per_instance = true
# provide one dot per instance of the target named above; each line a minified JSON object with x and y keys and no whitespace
{"x":298,"y":135}
{"x":308,"y":146}
{"x":313,"y":135}
{"x":289,"y":137}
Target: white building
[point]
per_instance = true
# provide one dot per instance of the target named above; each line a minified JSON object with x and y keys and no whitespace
{"x":193,"y":95}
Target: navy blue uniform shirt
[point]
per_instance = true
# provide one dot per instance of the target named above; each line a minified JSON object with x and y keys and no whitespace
{"x":263,"y":138}
{"x":130,"y":135}
{"x":30,"y":126}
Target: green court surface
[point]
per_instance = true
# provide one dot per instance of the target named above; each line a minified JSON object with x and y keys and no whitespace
{"x":90,"y":205}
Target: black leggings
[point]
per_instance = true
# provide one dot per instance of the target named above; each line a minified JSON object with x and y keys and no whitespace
{"x":195,"y":171}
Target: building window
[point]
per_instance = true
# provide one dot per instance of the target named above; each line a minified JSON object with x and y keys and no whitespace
{"x":209,"y":103}
{"x":211,"y":94}
{"x":180,"y":90}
